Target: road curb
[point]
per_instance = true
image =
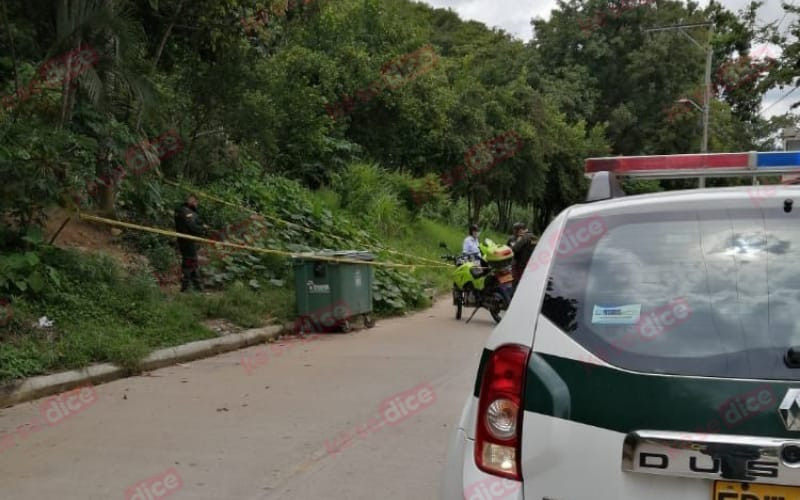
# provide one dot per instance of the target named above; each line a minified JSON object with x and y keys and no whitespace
{"x":36,"y":387}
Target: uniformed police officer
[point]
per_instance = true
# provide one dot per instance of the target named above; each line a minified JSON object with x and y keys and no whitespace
{"x":187,"y":221}
{"x":522,"y":243}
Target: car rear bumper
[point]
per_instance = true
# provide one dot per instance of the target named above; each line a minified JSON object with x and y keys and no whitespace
{"x":572,"y":461}
{"x":464,"y":481}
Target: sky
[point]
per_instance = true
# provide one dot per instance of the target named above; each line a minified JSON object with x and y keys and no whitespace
{"x":514,"y":16}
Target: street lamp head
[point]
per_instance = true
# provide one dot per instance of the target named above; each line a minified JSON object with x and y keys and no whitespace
{"x":686,"y":100}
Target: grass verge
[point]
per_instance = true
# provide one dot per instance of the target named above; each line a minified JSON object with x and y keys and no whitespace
{"x":101,"y":313}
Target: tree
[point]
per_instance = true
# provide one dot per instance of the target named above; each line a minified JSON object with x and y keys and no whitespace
{"x":787,"y":71}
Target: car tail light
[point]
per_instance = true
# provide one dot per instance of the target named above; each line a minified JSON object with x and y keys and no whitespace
{"x":499,"y":426}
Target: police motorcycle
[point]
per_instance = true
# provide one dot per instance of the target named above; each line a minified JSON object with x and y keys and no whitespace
{"x":485,"y":282}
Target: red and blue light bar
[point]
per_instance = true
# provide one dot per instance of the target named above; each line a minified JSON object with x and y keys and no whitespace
{"x":698,"y":165}
{"x":778,"y":160}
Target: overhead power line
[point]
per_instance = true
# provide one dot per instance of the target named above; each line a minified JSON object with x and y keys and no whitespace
{"x":779,"y":100}
{"x":785,"y":13}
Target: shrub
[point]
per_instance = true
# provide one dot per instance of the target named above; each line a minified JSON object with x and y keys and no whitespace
{"x":370,"y":194}
{"x":395,"y":291}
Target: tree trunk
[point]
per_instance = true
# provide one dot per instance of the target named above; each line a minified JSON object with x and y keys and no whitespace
{"x":192,"y":139}
{"x":159,"y":52}
{"x":476,"y":207}
{"x":542,"y":215}
{"x":106,"y":198}
{"x":107,"y":191}
{"x":504,"y":214}
{"x":13,"y":49}
{"x":67,"y":98}
{"x":167,"y":33}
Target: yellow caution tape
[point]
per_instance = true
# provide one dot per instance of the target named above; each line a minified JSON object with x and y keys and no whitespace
{"x":423,"y":259}
{"x":201,"y":194}
{"x":295,"y":255}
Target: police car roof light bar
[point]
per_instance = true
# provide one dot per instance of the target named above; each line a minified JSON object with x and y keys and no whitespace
{"x":698,"y":165}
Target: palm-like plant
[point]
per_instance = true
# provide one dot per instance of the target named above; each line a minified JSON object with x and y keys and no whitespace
{"x":115,"y":86}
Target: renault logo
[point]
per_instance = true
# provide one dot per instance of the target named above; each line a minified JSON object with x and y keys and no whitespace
{"x":789,"y":410}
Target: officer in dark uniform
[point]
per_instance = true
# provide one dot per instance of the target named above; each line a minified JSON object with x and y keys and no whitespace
{"x":511,"y":240}
{"x":187,"y":221}
{"x":522,"y":243}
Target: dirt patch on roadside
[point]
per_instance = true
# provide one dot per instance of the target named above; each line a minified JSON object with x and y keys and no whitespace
{"x":88,"y":237}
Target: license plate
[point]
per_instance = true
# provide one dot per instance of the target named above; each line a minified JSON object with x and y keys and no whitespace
{"x":724,"y":490}
{"x":506,"y":278}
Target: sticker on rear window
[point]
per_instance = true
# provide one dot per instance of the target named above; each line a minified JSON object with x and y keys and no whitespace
{"x":616,"y":315}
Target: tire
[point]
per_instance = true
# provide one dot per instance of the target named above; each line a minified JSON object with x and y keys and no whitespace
{"x":369,"y":321}
{"x":469,"y":291}
{"x":499,"y":307}
{"x":497,"y":314}
{"x":458,"y":301}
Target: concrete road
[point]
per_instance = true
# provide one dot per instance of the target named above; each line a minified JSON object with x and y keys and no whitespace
{"x":364,"y":415}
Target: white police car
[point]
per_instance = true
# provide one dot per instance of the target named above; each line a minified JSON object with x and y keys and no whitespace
{"x":652,"y":349}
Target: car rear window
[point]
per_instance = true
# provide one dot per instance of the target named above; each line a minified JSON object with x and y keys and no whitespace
{"x":714,"y":292}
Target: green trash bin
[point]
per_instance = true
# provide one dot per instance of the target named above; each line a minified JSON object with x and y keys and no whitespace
{"x":330,"y":294}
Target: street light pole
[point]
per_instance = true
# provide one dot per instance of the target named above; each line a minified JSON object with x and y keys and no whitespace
{"x":707,"y":99}
{"x":709,"y":60}
{"x":706,"y":104}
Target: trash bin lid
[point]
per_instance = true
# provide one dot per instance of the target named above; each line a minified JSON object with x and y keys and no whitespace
{"x":350,"y":254}
{"x":341,"y":254}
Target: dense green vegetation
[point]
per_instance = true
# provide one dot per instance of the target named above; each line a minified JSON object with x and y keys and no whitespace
{"x":361,"y":124}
